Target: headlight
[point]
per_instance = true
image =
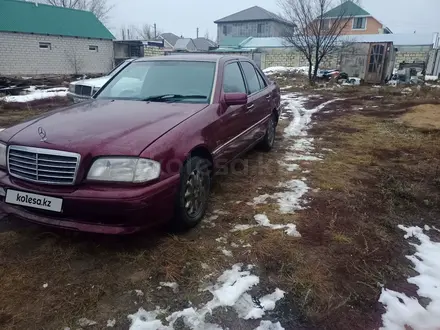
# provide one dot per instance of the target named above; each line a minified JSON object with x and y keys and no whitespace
{"x":3,"y":148}
{"x":124,"y":169}
{"x":72,"y":88}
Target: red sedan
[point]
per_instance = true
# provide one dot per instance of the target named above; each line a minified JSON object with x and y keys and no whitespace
{"x":143,"y":151}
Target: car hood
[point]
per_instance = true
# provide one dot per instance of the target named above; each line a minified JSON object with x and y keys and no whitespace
{"x":103,"y":127}
{"x":93,"y":82}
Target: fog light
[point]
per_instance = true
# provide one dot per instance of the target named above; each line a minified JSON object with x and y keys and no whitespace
{"x":2,"y":192}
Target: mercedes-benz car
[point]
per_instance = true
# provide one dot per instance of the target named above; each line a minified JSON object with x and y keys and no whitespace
{"x":143,"y":151}
{"x":84,"y":89}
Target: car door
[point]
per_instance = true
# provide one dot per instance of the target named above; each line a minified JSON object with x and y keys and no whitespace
{"x":232,"y":121}
{"x":257,"y":107}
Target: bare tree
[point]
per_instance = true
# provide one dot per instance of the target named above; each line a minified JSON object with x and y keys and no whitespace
{"x":148,"y":32}
{"x":130,"y":33}
{"x":312,"y":33}
{"x":101,"y":8}
{"x":207,"y":35}
{"x":74,"y":60}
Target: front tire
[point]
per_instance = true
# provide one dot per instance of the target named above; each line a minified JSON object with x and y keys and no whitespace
{"x":269,"y":137}
{"x":193,"y":194}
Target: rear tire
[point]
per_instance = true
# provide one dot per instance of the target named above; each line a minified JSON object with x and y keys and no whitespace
{"x":193,"y":194}
{"x":269,"y":137}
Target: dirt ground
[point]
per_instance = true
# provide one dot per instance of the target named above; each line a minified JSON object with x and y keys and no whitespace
{"x":380,"y":168}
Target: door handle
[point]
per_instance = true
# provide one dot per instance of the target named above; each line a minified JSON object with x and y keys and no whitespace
{"x":251,"y":107}
{"x":268,"y":97}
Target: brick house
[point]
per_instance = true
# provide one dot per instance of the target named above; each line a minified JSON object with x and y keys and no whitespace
{"x":361,"y":21}
{"x":251,"y":22}
{"x":37,"y":39}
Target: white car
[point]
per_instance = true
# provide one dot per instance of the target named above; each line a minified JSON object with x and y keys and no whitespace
{"x":84,"y":89}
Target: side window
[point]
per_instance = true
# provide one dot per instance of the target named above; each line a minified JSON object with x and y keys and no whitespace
{"x":251,"y":77}
{"x":261,"y":80}
{"x":233,"y":79}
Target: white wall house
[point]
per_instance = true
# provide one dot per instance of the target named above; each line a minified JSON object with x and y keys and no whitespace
{"x":38,"y":39}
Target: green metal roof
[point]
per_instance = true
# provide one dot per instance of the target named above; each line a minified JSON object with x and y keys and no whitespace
{"x":232,"y":41}
{"x":347,"y":9}
{"x":233,"y":50}
{"x":29,"y":17}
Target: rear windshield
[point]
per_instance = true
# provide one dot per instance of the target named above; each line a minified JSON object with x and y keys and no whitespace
{"x":150,"y":79}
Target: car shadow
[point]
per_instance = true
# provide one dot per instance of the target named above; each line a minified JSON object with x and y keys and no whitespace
{"x":147,"y":239}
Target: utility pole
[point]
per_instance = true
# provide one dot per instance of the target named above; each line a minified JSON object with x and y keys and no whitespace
{"x":155,"y":31}
{"x":197,"y":33}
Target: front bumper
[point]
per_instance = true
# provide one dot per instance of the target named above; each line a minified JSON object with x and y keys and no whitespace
{"x":107,"y":209}
{"x":78,"y":98}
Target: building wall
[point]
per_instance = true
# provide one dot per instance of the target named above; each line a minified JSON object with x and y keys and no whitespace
{"x":250,"y":29}
{"x":20,"y":54}
{"x":153,"y":51}
{"x":373,"y":27}
{"x":292,"y":58}
{"x":410,"y":54}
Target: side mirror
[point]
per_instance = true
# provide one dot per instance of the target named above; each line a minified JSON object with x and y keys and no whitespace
{"x":235,"y":98}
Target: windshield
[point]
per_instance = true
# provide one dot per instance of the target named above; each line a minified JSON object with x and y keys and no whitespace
{"x":162,"y":81}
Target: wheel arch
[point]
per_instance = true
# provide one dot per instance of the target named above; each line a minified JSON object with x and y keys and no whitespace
{"x":203,"y":152}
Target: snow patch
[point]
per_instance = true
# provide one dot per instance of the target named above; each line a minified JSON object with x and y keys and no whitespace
{"x":143,"y":320}
{"x":285,"y":69}
{"x":268,"y":325}
{"x":221,"y":240}
{"x":139,"y":293}
{"x":172,"y":285}
{"x":36,"y":94}
{"x":290,"y":200}
{"x":247,"y":309}
{"x":431,"y":78}
{"x":303,"y":117}
{"x":227,"y":253}
{"x":85,"y":322}
{"x":403,"y":311}
{"x":111,"y":323}
{"x":263,"y":221}
{"x":230,"y":290}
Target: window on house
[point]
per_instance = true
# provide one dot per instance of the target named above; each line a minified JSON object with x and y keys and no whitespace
{"x":45,"y":45}
{"x":359,"y":23}
{"x":325,"y":25}
{"x":225,"y":30}
{"x":93,"y":48}
{"x":260,"y":28}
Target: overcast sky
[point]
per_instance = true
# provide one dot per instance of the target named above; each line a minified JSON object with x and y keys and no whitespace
{"x":182,"y":17}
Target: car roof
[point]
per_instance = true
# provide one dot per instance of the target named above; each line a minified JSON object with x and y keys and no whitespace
{"x":192,"y":57}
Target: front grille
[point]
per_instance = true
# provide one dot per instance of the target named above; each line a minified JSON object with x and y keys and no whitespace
{"x":43,"y":165}
{"x":83,"y":90}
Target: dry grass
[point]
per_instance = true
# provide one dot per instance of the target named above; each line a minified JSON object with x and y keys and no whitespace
{"x":426,"y":116}
{"x":378,"y":174}
{"x":13,"y":113}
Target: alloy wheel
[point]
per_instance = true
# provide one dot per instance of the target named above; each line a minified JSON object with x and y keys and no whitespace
{"x":195,"y":193}
{"x":271,"y":132}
